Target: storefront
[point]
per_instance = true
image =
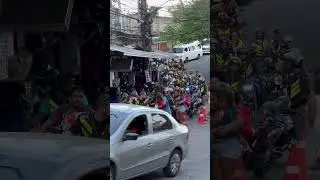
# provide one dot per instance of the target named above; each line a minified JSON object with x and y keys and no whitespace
{"x":135,"y":67}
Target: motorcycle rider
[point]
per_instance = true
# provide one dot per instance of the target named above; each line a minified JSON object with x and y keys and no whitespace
{"x":92,"y":124}
{"x":238,"y":43}
{"x":235,"y":79}
{"x":276,"y":41}
{"x":298,"y":81}
{"x":260,"y":45}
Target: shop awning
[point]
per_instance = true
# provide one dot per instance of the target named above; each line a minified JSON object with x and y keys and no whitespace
{"x":121,"y":65}
{"x":168,"y":55}
{"x":35,"y":15}
{"x":137,"y":53}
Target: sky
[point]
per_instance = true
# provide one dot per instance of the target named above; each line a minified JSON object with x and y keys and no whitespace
{"x":131,"y":5}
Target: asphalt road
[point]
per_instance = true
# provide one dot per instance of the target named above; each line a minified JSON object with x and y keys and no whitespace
{"x":202,"y":65}
{"x":298,"y":19}
{"x":197,"y":164}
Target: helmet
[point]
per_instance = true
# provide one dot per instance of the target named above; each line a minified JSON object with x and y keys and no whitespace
{"x":288,"y":42}
{"x":235,"y":60}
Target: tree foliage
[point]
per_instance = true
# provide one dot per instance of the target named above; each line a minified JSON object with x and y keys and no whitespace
{"x":190,"y":22}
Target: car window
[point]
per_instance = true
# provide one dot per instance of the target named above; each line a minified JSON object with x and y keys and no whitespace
{"x":10,"y":173}
{"x":186,"y":49}
{"x":138,"y":125}
{"x":177,"y":50}
{"x":160,"y":122}
{"x":116,"y":119}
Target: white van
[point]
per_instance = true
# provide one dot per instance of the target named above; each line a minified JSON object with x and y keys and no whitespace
{"x":188,"y":52}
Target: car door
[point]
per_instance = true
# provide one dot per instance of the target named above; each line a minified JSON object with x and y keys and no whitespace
{"x":186,"y":54}
{"x":133,"y":155}
{"x":194,"y":52}
{"x":190,"y":52}
{"x":162,"y":137}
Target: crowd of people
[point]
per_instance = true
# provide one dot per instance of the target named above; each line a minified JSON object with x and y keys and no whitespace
{"x":246,"y":75}
{"x":178,"y":92}
{"x":64,"y":109}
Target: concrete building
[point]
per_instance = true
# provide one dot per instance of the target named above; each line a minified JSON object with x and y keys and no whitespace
{"x":159,"y":23}
{"x":122,"y":32}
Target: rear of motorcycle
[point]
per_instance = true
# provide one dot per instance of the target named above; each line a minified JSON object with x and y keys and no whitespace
{"x":271,"y":142}
{"x":260,"y":154}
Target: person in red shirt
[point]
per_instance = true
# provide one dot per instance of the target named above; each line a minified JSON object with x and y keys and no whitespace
{"x":161,"y":104}
{"x":187,"y":99}
{"x":66,"y":114}
{"x":246,"y":115}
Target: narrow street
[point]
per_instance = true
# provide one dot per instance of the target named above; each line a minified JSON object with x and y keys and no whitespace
{"x":197,"y":164}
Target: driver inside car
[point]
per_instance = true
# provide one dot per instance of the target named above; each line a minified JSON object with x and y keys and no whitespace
{"x":138,"y":126}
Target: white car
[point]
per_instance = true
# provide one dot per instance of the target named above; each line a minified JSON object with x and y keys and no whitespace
{"x":206,"y":49}
{"x":187,"y":52}
{"x":143,"y":140}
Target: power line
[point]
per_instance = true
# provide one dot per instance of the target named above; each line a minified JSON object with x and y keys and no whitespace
{"x":127,"y":5}
{"x":125,"y":15}
{"x":159,"y":7}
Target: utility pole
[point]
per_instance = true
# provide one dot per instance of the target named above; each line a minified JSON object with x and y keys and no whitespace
{"x":145,"y":25}
{"x":121,"y":18}
{"x":181,"y":4}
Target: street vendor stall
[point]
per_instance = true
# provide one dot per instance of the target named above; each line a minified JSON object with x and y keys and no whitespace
{"x":134,"y":68}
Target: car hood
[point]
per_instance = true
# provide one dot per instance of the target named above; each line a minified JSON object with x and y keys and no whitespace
{"x":50,"y":146}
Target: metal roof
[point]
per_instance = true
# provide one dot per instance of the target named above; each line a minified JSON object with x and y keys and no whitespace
{"x":137,"y":53}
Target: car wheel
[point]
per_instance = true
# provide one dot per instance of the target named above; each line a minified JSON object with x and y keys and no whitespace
{"x":198,"y":57}
{"x":187,"y":59}
{"x":112,"y":173}
{"x":173,"y":166}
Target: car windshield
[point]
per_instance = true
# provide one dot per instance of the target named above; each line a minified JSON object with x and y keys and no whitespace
{"x":116,"y":119}
{"x":205,"y":42}
{"x":177,"y":50}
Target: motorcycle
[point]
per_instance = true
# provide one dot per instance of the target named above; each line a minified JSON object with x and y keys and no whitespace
{"x":195,"y":104}
{"x":274,"y":135}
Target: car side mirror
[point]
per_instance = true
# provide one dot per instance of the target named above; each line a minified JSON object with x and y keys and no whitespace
{"x":130,"y":136}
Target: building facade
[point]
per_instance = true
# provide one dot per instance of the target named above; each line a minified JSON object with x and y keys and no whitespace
{"x":159,"y":24}
{"x":124,"y":29}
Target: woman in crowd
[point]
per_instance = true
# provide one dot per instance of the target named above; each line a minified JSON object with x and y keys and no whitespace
{"x":226,"y":147}
{"x":162,"y":103}
{"x":180,"y":105}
